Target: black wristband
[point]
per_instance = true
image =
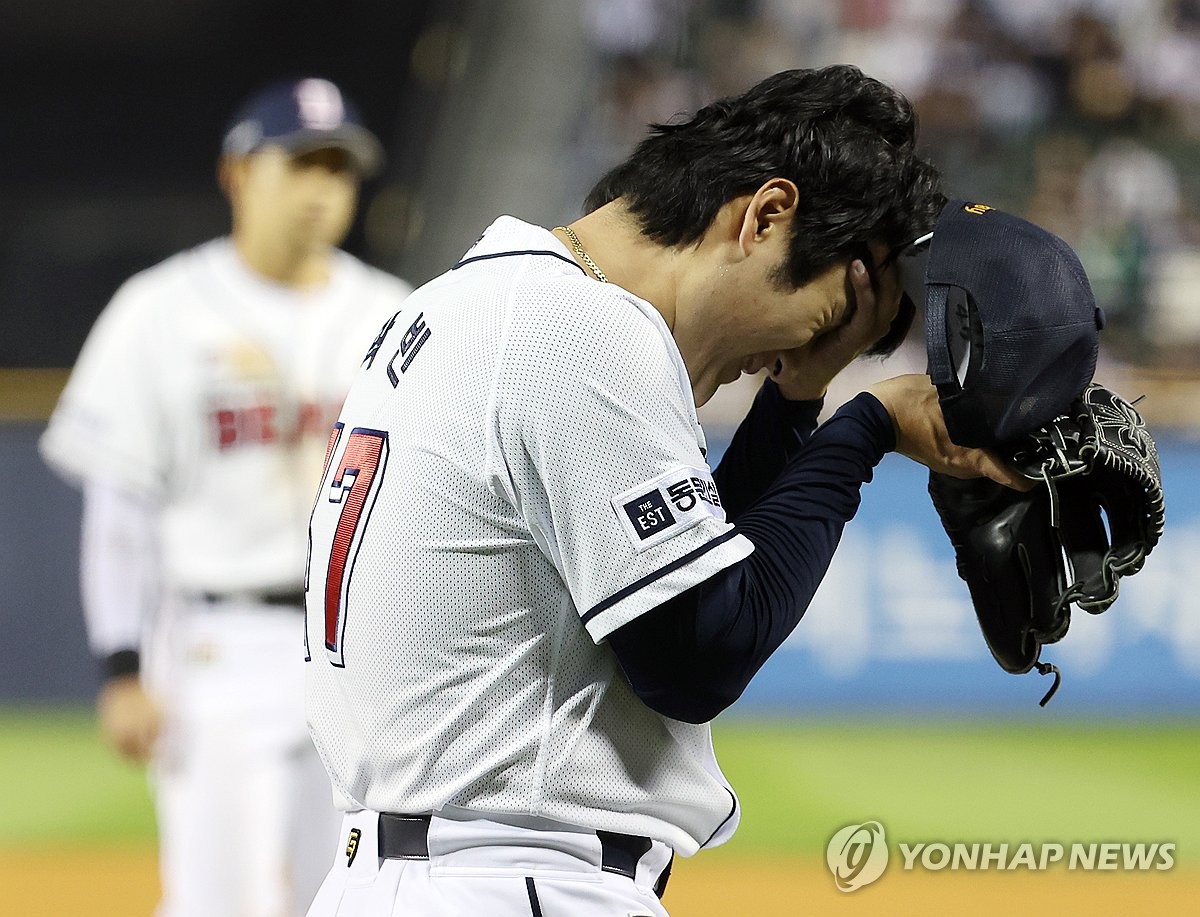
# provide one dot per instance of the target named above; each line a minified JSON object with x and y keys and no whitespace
{"x":120,"y":664}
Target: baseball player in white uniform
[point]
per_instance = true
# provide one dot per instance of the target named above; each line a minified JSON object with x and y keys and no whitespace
{"x":527,"y":592}
{"x":195,"y":421}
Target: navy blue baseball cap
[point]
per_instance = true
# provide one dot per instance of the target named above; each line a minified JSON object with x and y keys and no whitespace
{"x":1011,"y":325}
{"x":302,"y":116}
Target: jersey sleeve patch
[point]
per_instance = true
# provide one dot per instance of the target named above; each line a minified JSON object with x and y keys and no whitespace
{"x":667,"y":505}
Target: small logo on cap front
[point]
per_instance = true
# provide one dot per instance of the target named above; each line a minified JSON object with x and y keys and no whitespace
{"x":320,"y":104}
{"x":243,"y":137}
{"x":977,"y":209}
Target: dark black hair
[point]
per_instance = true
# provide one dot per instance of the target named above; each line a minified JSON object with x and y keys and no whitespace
{"x":845,"y":139}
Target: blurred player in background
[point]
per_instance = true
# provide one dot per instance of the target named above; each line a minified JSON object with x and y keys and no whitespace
{"x":195,"y":421}
{"x":528,"y":593}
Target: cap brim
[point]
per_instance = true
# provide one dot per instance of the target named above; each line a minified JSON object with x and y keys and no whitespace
{"x":361,"y":145}
{"x":911,"y":264}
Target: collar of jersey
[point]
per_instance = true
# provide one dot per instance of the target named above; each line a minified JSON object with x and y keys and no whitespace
{"x":238,"y":276}
{"x":510,"y":236}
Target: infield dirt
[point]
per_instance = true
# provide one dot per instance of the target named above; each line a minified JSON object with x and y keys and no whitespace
{"x":122,"y":882}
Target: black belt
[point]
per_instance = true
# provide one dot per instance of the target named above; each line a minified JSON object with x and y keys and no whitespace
{"x":293,"y":598}
{"x":406,"y":837}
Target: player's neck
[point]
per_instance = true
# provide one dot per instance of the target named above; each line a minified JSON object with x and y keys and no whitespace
{"x":301,"y":269}
{"x":614,"y":241}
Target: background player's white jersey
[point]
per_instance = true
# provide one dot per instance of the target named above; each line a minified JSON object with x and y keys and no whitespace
{"x":517,"y":471}
{"x":203,"y":388}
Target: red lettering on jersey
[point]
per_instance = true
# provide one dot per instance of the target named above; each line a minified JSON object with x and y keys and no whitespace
{"x":243,"y":426}
{"x":264,"y":418}
{"x":310,"y":419}
{"x":226,"y":422}
{"x":352,"y":485}
{"x":334,"y":435}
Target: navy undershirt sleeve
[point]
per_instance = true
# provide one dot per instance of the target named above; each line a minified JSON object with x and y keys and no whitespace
{"x":692,"y":656}
{"x":772,"y":433}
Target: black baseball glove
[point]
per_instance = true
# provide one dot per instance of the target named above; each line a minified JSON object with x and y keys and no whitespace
{"x":1027,"y":557}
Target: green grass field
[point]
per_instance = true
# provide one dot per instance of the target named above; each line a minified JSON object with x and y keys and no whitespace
{"x":965,"y":781}
{"x":62,"y":784}
{"x":799,"y":782}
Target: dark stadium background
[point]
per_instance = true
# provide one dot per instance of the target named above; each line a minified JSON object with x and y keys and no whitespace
{"x":112,"y":121}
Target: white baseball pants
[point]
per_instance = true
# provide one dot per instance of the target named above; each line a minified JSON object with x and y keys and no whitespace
{"x":478,"y":867}
{"x":245,"y":811}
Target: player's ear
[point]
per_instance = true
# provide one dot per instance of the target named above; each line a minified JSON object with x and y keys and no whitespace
{"x":768,"y":210}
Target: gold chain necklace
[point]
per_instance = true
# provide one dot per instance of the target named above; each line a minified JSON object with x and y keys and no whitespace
{"x":583,"y":256}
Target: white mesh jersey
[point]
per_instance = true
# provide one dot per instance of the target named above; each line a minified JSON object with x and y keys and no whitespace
{"x":518,"y":470}
{"x":210,"y":391}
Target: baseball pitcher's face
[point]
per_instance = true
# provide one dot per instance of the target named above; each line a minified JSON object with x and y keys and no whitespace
{"x":742,"y":314}
{"x":776,"y":318}
{"x":305,"y":201}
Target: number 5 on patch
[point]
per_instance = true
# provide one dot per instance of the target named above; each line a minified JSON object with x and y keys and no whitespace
{"x":350,"y":493}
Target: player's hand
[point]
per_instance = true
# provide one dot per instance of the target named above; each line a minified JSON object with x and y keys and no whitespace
{"x":803,"y":374}
{"x":130,"y":720}
{"x":921,"y":435}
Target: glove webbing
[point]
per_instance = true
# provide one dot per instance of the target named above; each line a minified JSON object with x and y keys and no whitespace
{"x":1075,"y":593}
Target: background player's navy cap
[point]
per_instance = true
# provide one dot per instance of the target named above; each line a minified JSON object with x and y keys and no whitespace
{"x":302,"y":116}
{"x":1011,"y":325}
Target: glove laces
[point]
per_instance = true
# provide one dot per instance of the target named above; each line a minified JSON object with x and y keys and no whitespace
{"x":1046,"y":668}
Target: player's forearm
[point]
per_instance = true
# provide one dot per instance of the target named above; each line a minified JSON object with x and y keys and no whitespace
{"x":694,"y":655}
{"x":768,"y":438}
{"x":119,"y":574}
{"x":795,"y":528}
